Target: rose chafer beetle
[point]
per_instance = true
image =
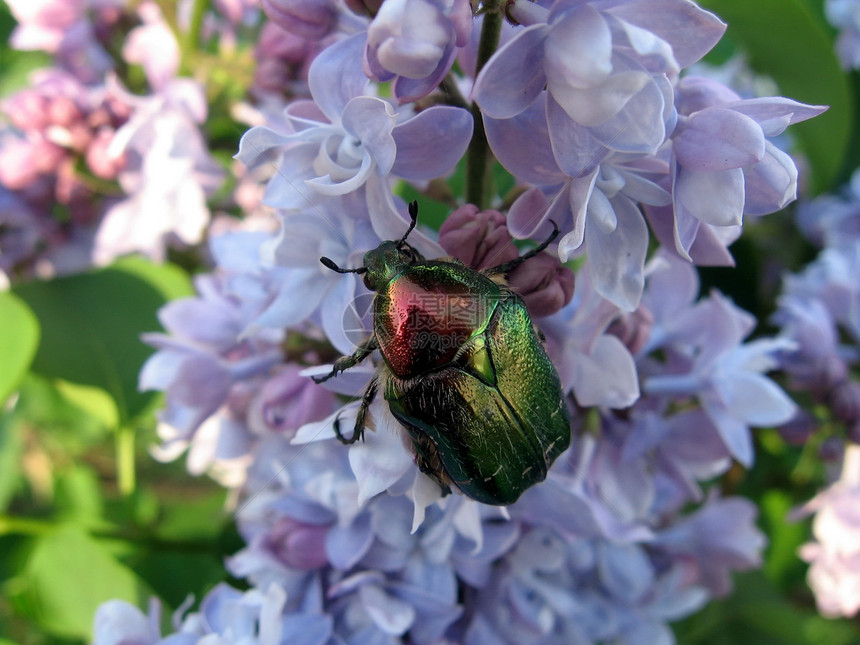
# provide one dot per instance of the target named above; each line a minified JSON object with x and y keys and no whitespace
{"x":464,"y":371}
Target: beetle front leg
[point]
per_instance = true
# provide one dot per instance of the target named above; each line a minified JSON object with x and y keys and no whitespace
{"x":345,"y":362}
{"x":358,"y":431}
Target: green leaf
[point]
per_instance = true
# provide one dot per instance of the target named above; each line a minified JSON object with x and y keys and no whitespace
{"x":91,"y":326}
{"x":69,"y":574}
{"x":785,"y":537}
{"x":786,"y":40}
{"x":18,"y":342}
{"x":92,"y":400}
{"x":11,"y":448}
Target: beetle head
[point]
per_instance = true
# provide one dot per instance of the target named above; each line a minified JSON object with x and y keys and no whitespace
{"x":386,"y":260}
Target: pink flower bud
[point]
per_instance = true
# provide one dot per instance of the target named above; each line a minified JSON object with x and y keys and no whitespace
{"x":544,"y":283}
{"x":100,"y":163}
{"x":633,"y":329}
{"x":479,"y":239}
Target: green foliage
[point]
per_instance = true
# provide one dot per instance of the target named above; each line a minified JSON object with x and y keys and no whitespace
{"x":91,"y":326}
{"x":18,"y":342}
{"x":68,"y":575}
{"x":788,"y":41}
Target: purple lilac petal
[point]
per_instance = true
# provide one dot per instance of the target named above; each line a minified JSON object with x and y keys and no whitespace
{"x":371,"y":121}
{"x":717,"y":139}
{"x":431,"y":143}
{"x":575,"y":149}
{"x":690,"y":30}
{"x":775,"y":113}
{"x":616,"y":259}
{"x":712,"y":197}
{"x":771,"y":184}
{"x":638,"y":128}
{"x":335,"y":77}
{"x":411,"y":89}
{"x":578,"y":49}
{"x":523,"y":145}
{"x":513,"y":78}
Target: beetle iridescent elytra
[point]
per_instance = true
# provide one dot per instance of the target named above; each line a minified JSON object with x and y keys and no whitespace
{"x":463,"y":370}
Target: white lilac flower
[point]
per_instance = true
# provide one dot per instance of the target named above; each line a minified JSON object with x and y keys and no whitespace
{"x":167,"y":177}
{"x":834,"y":555}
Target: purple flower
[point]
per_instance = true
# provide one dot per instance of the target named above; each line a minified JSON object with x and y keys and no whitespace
{"x":226,"y":615}
{"x":414,"y":42}
{"x":726,"y":376}
{"x":345,"y":140}
{"x":593,"y":195}
{"x":845,"y":16}
{"x":602,"y":62}
{"x":723,"y":165}
{"x":720,"y":537}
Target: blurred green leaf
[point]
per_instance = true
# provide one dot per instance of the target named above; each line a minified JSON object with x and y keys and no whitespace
{"x":11,"y":448}
{"x":18,"y":342}
{"x":78,"y":496}
{"x":92,"y":400}
{"x":785,"y":537}
{"x":91,"y":326}
{"x":786,"y":40}
{"x":69,"y":574}
{"x":756,"y":614}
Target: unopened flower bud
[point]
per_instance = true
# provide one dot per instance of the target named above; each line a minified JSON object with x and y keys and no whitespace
{"x":298,"y":545}
{"x":286,"y":402}
{"x":845,"y":402}
{"x":544,"y":283}
{"x":479,"y":239}
{"x":63,"y":111}
{"x":100,"y":163}
{"x":633,"y":329}
{"x":798,"y":430}
{"x":313,"y":19}
{"x":831,"y":449}
{"x":364,"y":7}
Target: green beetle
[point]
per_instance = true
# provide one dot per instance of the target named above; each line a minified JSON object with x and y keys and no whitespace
{"x":464,"y":371}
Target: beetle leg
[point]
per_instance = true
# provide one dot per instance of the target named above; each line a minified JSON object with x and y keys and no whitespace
{"x":358,"y":431}
{"x":345,"y":362}
{"x":507,"y":267}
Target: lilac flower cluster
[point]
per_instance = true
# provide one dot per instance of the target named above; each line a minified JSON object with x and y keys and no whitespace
{"x":89,"y":170}
{"x":585,"y":106}
{"x":845,"y":16}
{"x":819,"y":313}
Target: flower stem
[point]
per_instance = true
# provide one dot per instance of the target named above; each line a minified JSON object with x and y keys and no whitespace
{"x":479,"y":158}
{"x":195,"y":26}
{"x":126,"y":475}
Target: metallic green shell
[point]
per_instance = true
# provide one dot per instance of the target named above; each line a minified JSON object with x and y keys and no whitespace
{"x":496,"y":415}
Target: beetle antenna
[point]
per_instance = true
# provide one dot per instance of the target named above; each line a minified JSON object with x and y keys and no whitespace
{"x":329,"y":264}
{"x":413,"y":213}
{"x":507,"y":267}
